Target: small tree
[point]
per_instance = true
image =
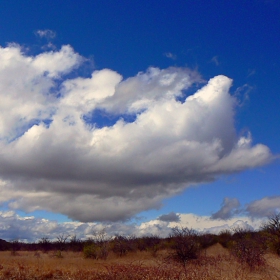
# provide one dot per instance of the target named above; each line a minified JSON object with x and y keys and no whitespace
{"x":97,"y":247}
{"x":75,"y":244}
{"x":122,"y":245}
{"x":45,"y":244}
{"x":185,"y":244}
{"x":15,"y":247}
{"x":61,"y":241}
{"x":273,"y":224}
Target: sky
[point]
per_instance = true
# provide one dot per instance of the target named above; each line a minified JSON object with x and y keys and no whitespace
{"x":138,"y":117}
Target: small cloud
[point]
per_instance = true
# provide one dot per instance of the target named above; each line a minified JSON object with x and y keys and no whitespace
{"x":170,"y":55}
{"x":242,"y":95}
{"x":251,"y":72}
{"x":47,"y":33}
{"x":49,"y":46}
{"x":171,"y":217}
{"x":215,"y":60}
{"x":264,"y":207}
{"x":229,"y":208}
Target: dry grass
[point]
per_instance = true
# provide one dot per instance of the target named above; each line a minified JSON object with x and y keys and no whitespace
{"x":214,"y":263}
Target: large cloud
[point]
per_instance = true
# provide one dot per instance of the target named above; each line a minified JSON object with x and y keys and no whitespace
{"x":55,"y":155}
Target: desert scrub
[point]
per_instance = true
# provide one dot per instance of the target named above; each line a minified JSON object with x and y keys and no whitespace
{"x":224,"y":238}
{"x":248,"y":252}
{"x":184,"y":244}
{"x":58,"y":254}
{"x":91,"y":251}
{"x":96,"y":251}
{"x":121,"y":245}
{"x":271,"y":230}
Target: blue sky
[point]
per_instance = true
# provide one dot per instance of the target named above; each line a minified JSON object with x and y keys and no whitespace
{"x":188,"y":41}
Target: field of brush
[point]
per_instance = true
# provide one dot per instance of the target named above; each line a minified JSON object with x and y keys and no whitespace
{"x":216,"y":262}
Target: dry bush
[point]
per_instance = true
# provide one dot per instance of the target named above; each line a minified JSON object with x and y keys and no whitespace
{"x":96,"y":251}
{"x":248,"y":252}
{"x":45,"y":244}
{"x":75,"y":244}
{"x":224,"y":238}
{"x":98,"y":247}
{"x":247,"y":248}
{"x":271,"y":231}
{"x":149,"y":243}
{"x":184,"y":244}
{"x":121,"y":245}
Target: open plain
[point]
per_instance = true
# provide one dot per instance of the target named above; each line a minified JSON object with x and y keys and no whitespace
{"x":214,"y":263}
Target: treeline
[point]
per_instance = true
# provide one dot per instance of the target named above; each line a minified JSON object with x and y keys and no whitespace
{"x":182,"y":245}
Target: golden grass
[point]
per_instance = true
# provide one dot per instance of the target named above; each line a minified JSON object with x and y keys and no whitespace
{"x":214,"y":263}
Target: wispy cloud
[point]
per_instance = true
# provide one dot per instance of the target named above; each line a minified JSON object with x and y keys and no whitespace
{"x":170,"y":55}
{"x":242,"y":94}
{"x":47,"y":33}
{"x":215,"y":60}
{"x":55,"y":156}
{"x":251,"y":72}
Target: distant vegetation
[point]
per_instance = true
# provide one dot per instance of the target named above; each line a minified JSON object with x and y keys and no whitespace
{"x":183,"y":243}
{"x":183,"y":248}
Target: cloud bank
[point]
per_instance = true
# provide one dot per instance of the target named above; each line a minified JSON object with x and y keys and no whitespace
{"x":31,"y":229}
{"x":155,"y":140}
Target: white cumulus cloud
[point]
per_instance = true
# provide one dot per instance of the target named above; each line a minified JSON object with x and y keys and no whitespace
{"x":56,"y":156}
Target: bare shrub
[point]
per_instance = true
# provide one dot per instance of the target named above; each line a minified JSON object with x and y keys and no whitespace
{"x":152,"y":243}
{"x":98,"y":247}
{"x":271,"y":231}
{"x":249,"y":252}
{"x":15,"y":247}
{"x":185,"y":245}
{"x":123,"y":244}
{"x":207,"y":240}
{"x":224,"y":238}
{"x":75,"y":244}
{"x":45,"y":244}
{"x":61,"y":241}
{"x":273,"y":224}
{"x":91,"y":251}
